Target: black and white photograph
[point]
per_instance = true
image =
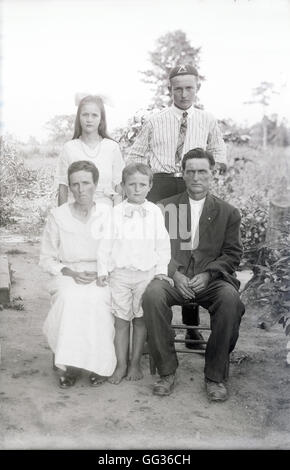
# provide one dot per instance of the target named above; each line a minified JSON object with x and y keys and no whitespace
{"x":145,"y":227}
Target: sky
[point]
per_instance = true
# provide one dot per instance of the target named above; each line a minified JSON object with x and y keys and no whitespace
{"x":50,"y":50}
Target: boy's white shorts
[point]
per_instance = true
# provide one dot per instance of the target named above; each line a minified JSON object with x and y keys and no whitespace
{"x":127,"y":288}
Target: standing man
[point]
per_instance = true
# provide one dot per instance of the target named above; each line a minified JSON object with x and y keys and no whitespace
{"x":163,"y":141}
{"x":205,"y":253}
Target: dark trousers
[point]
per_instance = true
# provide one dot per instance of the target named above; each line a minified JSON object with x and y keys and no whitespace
{"x":166,"y":185}
{"x":225,"y":308}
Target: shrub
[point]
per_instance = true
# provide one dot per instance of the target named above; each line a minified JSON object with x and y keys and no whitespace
{"x":6,"y":215}
{"x":9,"y":164}
{"x":269,"y":289}
{"x":35,"y":190}
{"x":243,"y":185}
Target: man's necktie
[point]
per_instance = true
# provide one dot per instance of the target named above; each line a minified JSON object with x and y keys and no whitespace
{"x":180,"y":141}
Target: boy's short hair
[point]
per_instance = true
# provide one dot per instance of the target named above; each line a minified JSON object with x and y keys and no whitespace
{"x":133,"y":168}
{"x":198,"y":153}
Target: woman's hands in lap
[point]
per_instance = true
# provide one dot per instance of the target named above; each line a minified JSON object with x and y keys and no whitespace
{"x":84,"y":277}
{"x":102,"y":281}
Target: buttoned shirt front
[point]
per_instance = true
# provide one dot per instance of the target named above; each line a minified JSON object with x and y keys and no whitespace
{"x":157,"y":142}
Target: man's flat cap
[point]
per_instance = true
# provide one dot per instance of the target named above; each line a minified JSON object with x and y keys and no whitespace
{"x":182,"y":70}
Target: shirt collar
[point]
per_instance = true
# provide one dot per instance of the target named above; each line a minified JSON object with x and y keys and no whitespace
{"x":144,"y":204}
{"x":178,"y":112}
{"x":199,"y":203}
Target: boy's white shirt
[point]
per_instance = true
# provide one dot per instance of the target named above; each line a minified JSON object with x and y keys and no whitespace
{"x":136,"y":242}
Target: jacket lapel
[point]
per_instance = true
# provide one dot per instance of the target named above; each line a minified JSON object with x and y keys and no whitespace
{"x":184,"y":218}
{"x":208,"y":214}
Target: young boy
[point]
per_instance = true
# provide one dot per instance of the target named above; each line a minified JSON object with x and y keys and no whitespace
{"x":136,"y":251}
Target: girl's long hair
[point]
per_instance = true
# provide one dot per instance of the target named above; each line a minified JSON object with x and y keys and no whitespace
{"x":103,"y":123}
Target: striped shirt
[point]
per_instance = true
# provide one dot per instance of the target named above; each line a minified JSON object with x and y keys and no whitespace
{"x":157,"y":142}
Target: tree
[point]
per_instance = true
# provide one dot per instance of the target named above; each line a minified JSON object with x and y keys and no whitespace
{"x":61,"y":127}
{"x":172,"y":49}
{"x":262,"y":95}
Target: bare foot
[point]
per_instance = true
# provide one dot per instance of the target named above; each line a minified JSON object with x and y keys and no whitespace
{"x":118,"y":375}
{"x":134,"y":373}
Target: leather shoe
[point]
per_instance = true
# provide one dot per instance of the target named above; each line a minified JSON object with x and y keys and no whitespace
{"x":216,"y":391}
{"x":164,"y":386}
{"x":195,"y":335}
{"x":66,"y":381}
{"x":96,"y":380}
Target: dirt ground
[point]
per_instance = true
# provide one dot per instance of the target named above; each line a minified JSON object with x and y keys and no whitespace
{"x":37,"y":414}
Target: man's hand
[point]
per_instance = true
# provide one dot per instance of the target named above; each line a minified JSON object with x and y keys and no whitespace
{"x":163,"y":277}
{"x":102,"y":281}
{"x":181,"y":283}
{"x":199,"y":282}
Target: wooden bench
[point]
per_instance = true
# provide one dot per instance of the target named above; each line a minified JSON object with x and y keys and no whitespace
{"x":5,"y":282}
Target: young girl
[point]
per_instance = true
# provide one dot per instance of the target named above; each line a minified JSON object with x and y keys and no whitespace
{"x":92,"y":143}
{"x":136,"y":250}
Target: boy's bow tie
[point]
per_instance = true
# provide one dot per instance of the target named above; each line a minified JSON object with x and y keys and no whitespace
{"x":129,"y":211}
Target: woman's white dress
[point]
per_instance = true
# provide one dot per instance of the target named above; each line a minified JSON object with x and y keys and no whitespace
{"x":106,"y":156}
{"x":79,"y":327}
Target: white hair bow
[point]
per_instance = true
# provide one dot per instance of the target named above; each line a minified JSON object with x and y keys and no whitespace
{"x":80,"y":95}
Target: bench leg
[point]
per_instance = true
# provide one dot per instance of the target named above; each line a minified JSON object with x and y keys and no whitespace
{"x":53,"y":363}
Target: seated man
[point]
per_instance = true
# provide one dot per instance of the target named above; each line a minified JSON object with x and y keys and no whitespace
{"x":205,"y":252}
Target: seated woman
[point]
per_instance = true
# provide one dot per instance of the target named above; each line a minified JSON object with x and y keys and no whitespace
{"x":79,"y":327}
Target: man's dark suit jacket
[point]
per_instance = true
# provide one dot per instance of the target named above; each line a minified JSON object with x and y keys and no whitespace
{"x":219,"y":248}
